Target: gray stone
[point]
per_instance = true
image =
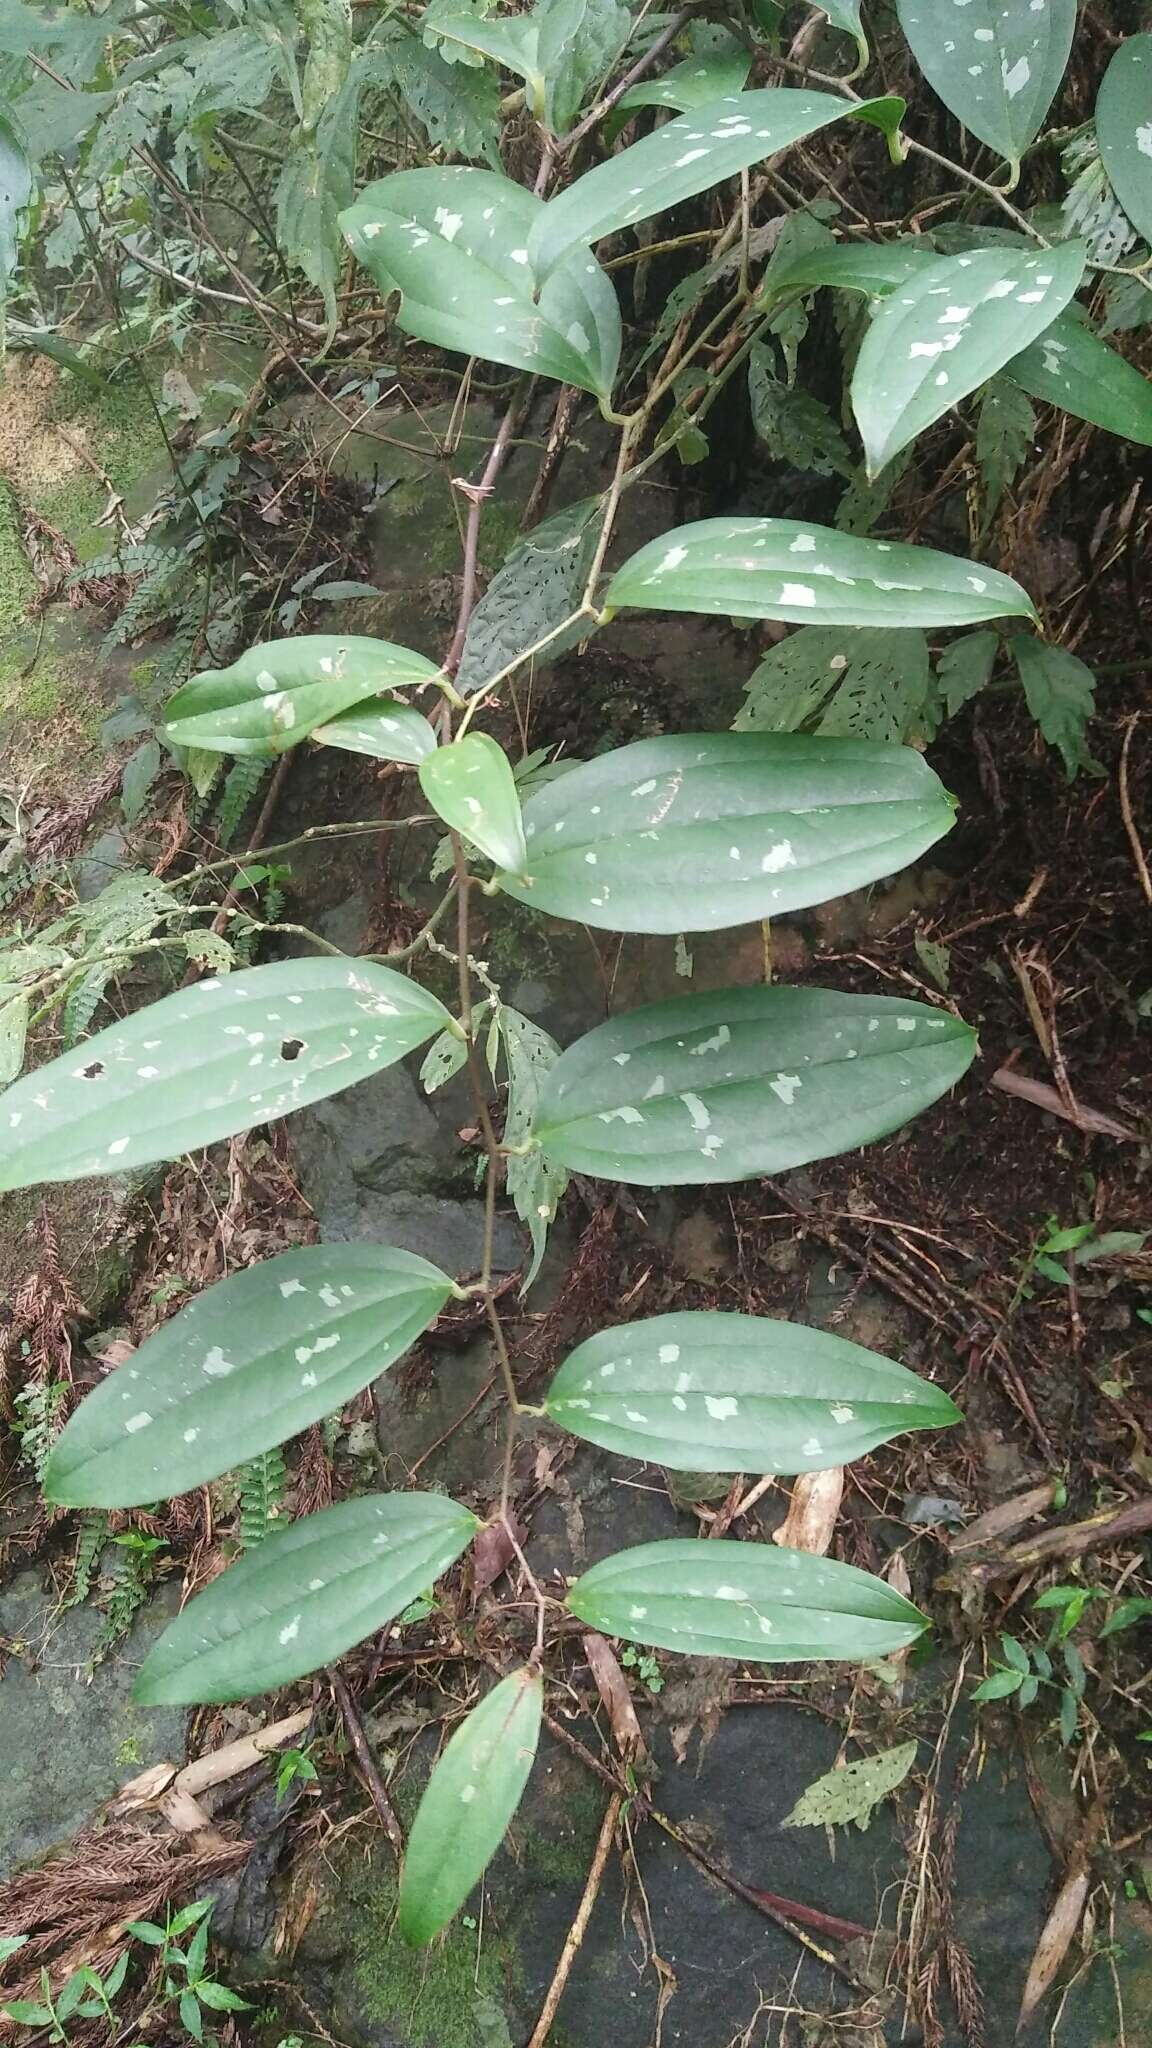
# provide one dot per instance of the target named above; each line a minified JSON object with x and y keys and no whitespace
{"x":69,"y":1741}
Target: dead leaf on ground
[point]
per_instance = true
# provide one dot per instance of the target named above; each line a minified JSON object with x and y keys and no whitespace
{"x":612,"y":1687}
{"x":811,"y":1518}
{"x":493,"y":1551}
{"x":1053,"y":1945}
{"x":1005,"y":1519}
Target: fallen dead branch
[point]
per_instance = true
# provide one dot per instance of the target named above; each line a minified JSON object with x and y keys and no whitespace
{"x":1044,"y":1096}
{"x":579,"y":1927}
{"x":368,"y":1767}
{"x":1112,"y":1525}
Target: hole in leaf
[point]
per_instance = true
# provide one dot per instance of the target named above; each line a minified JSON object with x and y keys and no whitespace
{"x":93,"y":1072}
{"x":291,"y":1048}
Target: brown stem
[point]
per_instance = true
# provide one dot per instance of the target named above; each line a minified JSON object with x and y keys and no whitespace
{"x":477,"y":494}
{"x":656,"y":48}
{"x":579,"y":1927}
{"x":369,"y":1769}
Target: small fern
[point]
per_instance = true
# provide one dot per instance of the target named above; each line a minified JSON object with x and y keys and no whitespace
{"x":133,"y":1570}
{"x":262,"y":1488}
{"x":154,"y":599}
{"x":240,"y":786}
{"x":37,"y":1422}
{"x":81,"y":1004}
{"x":90,"y":1542}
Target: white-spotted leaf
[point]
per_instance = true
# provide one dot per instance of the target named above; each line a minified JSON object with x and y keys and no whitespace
{"x":742,"y":1081}
{"x":385,"y":728}
{"x":947,"y":331}
{"x":996,"y":64}
{"x":688,"y":155}
{"x":721,"y":67}
{"x":791,"y":569}
{"x":1124,"y":129}
{"x":248,"y":1364}
{"x":752,"y":1601}
{"x":1072,"y":367}
{"x":703,"y":830}
{"x":304,"y":1596}
{"x":207,"y":1061}
{"x":276,"y":693}
{"x":454,"y":242}
{"x":469,"y":783}
{"x":470,"y":1799}
{"x":872,"y":267}
{"x":852,"y":1792}
{"x":711,"y":1392}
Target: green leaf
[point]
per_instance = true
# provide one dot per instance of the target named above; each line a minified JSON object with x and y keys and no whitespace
{"x":1004,"y":438}
{"x":688,"y":155}
{"x":14,"y":1012}
{"x":1124,"y":128}
{"x":997,"y":66}
{"x":318,"y":179}
{"x":578,"y":43}
{"x":948,"y":331}
{"x":700,"y":831}
{"x":1071,"y":367}
{"x":191,"y":2017}
{"x":454,"y":242}
{"x":385,"y":728}
{"x":140,"y":772}
{"x":534,"y":1186}
{"x":10,"y":1944}
{"x":793,"y":569}
{"x":219,"y":1998}
{"x":276,"y":693}
{"x":1069,"y":1715}
{"x":964,"y":668}
{"x":720,"y":67}
{"x":1015,"y":1654}
{"x":1125,"y":1615}
{"x":538,"y":587}
{"x":742,"y":1081}
{"x":852,"y":1792}
{"x":875,"y":268}
{"x":15,"y":192}
{"x":845,"y":14}
{"x":867,"y":684}
{"x":936,"y":960}
{"x":470,"y":1799}
{"x":147,"y":1932}
{"x":999,"y":1686}
{"x":456,"y":104}
{"x":208,"y":1061}
{"x":27,"y":2014}
{"x":713,"y":1392}
{"x":469,"y":783}
{"x":248,"y":1364}
{"x":753,"y":1601}
{"x":304,"y":1596}
{"x":1061,"y":694}
{"x":795,"y":427}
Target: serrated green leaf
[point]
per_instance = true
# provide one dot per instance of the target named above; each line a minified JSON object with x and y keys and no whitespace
{"x":469,"y":783}
{"x":535,"y":1187}
{"x":1014,"y":1654}
{"x":948,"y":331}
{"x":793,"y":569}
{"x":753,"y":1601}
{"x":276,"y":693}
{"x":458,"y":104}
{"x":964,"y":668}
{"x":454,"y":242}
{"x":534,"y":591}
{"x":248,"y":1364}
{"x":997,"y":66}
{"x":1071,"y":367}
{"x":741,"y":1081}
{"x":208,"y":1061}
{"x":385,"y":728}
{"x":1061,"y":694}
{"x":867,"y":684}
{"x":304,"y":1596}
{"x":699,"y":831}
{"x":318,"y":179}
{"x":470,"y":1799}
{"x":1124,"y":128}
{"x":688,"y":155}
{"x":852,"y":1792}
{"x":713,"y":1392}
{"x":1004,"y":436}
{"x":795,"y":427}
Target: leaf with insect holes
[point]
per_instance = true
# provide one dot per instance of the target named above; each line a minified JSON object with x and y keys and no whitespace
{"x":276,"y":693}
{"x":1061,"y":694}
{"x":792,"y":569}
{"x":536,"y":589}
{"x":718,"y":66}
{"x":700,"y":831}
{"x":248,"y":1364}
{"x":469,"y":783}
{"x":14,"y":1012}
{"x":707,"y":1391}
{"x":207,"y":1061}
{"x":699,"y":149}
{"x":997,"y":64}
{"x":747,"y":1600}
{"x":870,"y":684}
{"x":385,"y":728}
{"x":454,"y":243}
{"x":852,"y":1792}
{"x":742,"y":1081}
{"x":1124,"y":128}
{"x":470,"y":1798}
{"x":534,"y":1186}
{"x":1071,"y":367}
{"x":304,"y":1596}
{"x":947,"y":331}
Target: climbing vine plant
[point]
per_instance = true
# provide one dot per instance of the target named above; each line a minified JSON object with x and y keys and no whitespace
{"x":702,"y":831}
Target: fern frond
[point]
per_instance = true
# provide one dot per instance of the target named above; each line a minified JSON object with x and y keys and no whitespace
{"x":262,"y":1485}
{"x":89,"y":1544}
{"x":240,"y":786}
